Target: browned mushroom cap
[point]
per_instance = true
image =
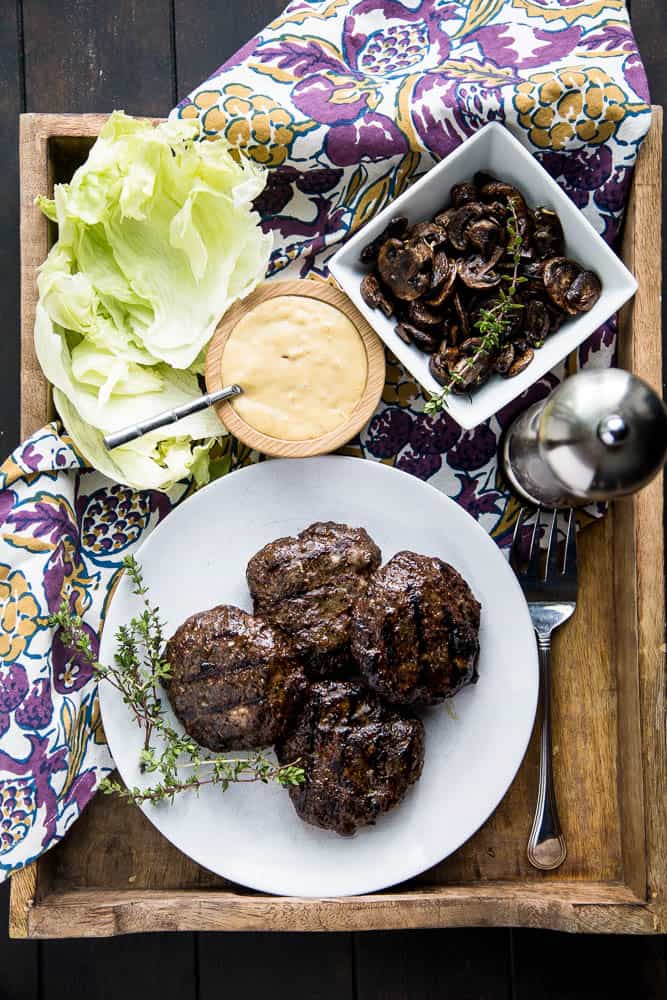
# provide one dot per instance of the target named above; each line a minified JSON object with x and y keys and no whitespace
{"x":462,"y":316}
{"x":405,"y":269}
{"x":583,"y":293}
{"x":460,"y":220}
{"x":442,"y":218}
{"x":463,"y":193}
{"x":470,"y":372}
{"x":429,"y":232}
{"x":495,"y":190}
{"x":486,"y":236}
{"x":442,"y":363}
{"x":418,"y":314}
{"x":373,"y":296}
{"x":536,"y":322}
{"x":548,"y":239}
{"x":443,"y":277}
{"x":476,"y":273}
{"x":395,"y":229}
{"x":522,"y":362}
{"x":498,"y":211}
{"x":559,"y":273}
{"x":427,"y":342}
{"x":505,"y":360}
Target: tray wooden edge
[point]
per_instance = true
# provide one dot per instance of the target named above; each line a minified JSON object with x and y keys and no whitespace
{"x":574,"y":907}
{"x":639,"y":907}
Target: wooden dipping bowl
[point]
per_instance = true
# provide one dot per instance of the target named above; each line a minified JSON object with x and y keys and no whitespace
{"x":370,"y":397}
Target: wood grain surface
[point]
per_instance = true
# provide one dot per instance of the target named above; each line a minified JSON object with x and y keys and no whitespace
{"x":608,"y":663}
{"x":362,"y":412}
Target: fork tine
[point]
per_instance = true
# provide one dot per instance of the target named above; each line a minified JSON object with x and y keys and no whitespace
{"x":516,"y":540}
{"x":532,"y":570}
{"x":551,"y":567}
{"x":570,"y":561}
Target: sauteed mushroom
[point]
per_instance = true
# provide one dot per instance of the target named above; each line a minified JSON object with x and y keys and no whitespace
{"x":475,"y":272}
{"x":373,"y":296}
{"x":479,"y":286}
{"x":396,"y":228}
{"x":403,"y":268}
{"x":583,"y":293}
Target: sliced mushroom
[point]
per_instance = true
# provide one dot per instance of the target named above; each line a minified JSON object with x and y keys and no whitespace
{"x":418,"y":314}
{"x":442,"y":364}
{"x":405,"y":269}
{"x":458,"y":223}
{"x":536,"y":322}
{"x":373,"y":296}
{"x":442,"y":218}
{"x":559,"y":273}
{"x":443,"y":277}
{"x":495,"y":190}
{"x":548,"y":239}
{"x":504,"y":360}
{"x":470,"y":345}
{"x":461,"y":194}
{"x":475,"y":273}
{"x":470,"y":372}
{"x":462,"y":316}
{"x":396,"y":228}
{"x":485,"y":236}
{"x":521,"y":363}
{"x":427,"y":342}
{"x":583,"y":293}
{"x":429,"y":232}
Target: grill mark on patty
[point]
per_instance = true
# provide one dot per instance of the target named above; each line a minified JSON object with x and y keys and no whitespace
{"x":236,"y":681}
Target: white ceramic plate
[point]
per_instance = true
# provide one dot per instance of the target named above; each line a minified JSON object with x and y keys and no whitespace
{"x":496,"y":150}
{"x":196,"y":559}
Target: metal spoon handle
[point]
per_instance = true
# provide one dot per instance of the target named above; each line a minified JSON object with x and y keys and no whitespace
{"x":169,"y":416}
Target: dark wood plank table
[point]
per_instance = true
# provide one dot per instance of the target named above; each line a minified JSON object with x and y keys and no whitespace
{"x":96,"y":55}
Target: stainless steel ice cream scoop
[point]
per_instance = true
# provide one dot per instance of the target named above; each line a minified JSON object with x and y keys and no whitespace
{"x":169,"y":416}
{"x":600,"y":434}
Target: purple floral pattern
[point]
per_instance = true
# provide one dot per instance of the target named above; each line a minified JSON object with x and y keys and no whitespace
{"x":346,"y":103}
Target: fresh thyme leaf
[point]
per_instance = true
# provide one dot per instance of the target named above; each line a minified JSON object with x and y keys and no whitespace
{"x":139,"y":668}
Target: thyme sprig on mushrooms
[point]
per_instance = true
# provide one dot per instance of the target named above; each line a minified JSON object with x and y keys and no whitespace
{"x":493,"y":324}
{"x":137,"y":672}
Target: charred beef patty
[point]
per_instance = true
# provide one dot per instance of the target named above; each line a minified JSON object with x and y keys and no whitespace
{"x":415,"y":632}
{"x":236,"y":680}
{"x":359,"y":755}
{"x":307,"y":585}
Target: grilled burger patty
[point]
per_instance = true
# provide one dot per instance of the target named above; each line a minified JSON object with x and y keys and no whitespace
{"x":359,"y":755}
{"x":415,"y":632}
{"x":236,"y":680}
{"x":307,"y":585}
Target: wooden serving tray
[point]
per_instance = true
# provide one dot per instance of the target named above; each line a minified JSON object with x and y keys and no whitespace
{"x":115,"y":874}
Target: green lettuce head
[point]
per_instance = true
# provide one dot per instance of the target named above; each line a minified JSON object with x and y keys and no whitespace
{"x":156,"y":239}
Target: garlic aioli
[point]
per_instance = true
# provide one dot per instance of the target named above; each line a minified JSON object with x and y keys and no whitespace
{"x":302,"y":366}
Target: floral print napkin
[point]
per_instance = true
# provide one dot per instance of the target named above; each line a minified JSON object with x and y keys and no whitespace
{"x":347,"y":102}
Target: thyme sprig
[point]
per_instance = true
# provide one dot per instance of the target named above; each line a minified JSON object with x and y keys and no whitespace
{"x":138,"y":670}
{"x":492,"y":324}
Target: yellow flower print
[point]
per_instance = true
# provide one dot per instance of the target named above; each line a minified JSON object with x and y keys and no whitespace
{"x":249,"y":121}
{"x":19,"y":614}
{"x":572,"y":107}
{"x":553,"y":10}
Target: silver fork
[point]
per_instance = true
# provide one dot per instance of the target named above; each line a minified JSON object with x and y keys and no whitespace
{"x":552,"y":599}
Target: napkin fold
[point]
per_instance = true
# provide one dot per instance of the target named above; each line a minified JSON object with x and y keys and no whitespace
{"x":347,"y":102}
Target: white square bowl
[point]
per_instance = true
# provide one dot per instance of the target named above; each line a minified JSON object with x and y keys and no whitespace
{"x":495,"y":150}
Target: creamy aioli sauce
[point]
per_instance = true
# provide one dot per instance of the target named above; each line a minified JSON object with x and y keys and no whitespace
{"x":302,"y":366}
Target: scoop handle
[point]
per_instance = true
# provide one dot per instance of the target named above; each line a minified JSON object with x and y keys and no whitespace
{"x":134,"y":431}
